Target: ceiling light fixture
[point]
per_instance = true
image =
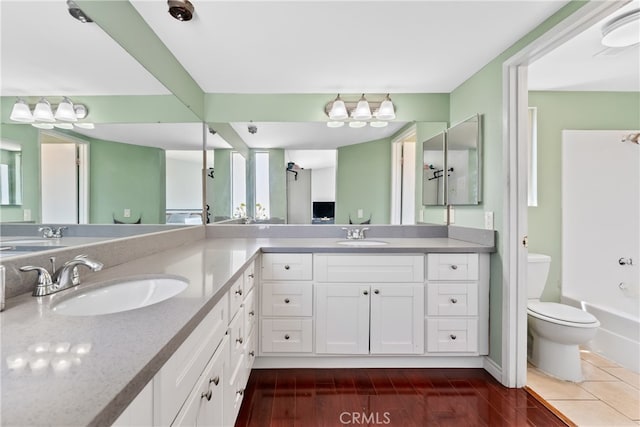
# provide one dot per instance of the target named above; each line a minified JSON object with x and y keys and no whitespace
{"x":182,"y":10}
{"x":360,"y":111}
{"x":623,"y":30}
{"x":66,"y":114}
{"x":77,"y":13}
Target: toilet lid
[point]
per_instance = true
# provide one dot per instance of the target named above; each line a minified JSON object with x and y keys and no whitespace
{"x":562,"y":312}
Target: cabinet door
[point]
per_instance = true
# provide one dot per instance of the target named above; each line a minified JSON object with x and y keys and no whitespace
{"x":342,"y":319}
{"x":204,"y":407}
{"x":397,"y":319}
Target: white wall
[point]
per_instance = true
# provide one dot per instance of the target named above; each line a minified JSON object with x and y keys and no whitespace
{"x":184,"y":179}
{"x":601,"y":219}
{"x":323,"y":184}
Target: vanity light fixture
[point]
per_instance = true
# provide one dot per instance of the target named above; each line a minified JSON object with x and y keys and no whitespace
{"x":623,"y":30}
{"x":359,"y":113}
{"x":66,"y":114}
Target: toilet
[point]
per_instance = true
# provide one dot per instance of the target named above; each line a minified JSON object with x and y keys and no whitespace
{"x":554,"y":330}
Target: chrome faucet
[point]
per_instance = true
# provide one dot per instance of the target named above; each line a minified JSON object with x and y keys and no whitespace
{"x":355,"y":233}
{"x":63,"y":278}
{"x":52,"y":232}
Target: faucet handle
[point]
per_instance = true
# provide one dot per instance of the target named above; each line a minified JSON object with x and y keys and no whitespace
{"x":47,"y":232}
{"x":44,"y":280}
{"x":362,"y":230}
{"x":57,"y":232}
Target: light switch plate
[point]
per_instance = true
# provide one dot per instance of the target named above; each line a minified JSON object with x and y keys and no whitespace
{"x":26,"y":215}
{"x":488,"y":220}
{"x":127,"y":213}
{"x":360,"y":213}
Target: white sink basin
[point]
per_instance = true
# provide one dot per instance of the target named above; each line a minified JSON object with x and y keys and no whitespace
{"x":123,"y":295}
{"x":363,"y":242}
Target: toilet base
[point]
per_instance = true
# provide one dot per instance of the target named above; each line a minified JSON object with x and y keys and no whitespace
{"x":558,"y":360}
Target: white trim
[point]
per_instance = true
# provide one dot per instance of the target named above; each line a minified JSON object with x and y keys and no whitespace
{"x":396,"y":183}
{"x":514,"y":318}
{"x":83,"y":183}
{"x":315,"y":361}
{"x":492,"y":368}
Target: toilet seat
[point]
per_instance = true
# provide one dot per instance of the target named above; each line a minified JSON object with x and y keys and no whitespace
{"x":562,"y":314}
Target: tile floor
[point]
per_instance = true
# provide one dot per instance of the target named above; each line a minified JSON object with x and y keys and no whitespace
{"x":609,"y":395}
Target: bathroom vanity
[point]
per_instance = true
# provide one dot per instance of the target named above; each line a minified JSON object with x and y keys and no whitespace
{"x":250,"y":303}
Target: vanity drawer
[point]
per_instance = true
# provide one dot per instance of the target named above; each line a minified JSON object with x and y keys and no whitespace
{"x":179,"y":374}
{"x":236,"y":297}
{"x":237,"y":336}
{"x":287,"y":299}
{"x":287,"y":266}
{"x":452,"y":267}
{"x":369,"y":268}
{"x":249,"y":277}
{"x":452,"y":299}
{"x":452,"y":335}
{"x":287,"y":335}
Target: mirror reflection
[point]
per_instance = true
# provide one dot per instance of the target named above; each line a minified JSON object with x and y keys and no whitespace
{"x":463,"y":162}
{"x":433,"y":185}
{"x":10,"y":173}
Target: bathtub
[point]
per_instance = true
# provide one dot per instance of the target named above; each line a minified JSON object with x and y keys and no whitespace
{"x":617,"y":339}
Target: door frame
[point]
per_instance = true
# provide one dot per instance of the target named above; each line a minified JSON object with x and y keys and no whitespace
{"x":515,"y":160}
{"x":397,"y":165}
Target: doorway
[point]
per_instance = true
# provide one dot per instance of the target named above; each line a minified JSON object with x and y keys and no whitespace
{"x":403,"y":178}
{"x":64,"y":179}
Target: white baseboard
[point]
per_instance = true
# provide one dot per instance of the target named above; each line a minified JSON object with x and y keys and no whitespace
{"x":368,"y":362}
{"x":492,"y":368}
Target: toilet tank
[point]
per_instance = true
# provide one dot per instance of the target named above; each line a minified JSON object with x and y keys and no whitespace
{"x":537,"y":273}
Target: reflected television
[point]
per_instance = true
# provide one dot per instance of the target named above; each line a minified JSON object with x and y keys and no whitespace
{"x":324,"y":210}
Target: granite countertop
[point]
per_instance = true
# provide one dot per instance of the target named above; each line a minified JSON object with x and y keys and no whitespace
{"x":104,"y":361}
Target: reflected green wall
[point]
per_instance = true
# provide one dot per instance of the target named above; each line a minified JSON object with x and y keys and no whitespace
{"x":429,"y":214}
{"x":277,"y":183}
{"x":363,"y":181}
{"x":558,"y":111}
{"x":219,"y":189}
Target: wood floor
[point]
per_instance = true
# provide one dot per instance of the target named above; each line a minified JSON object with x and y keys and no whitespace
{"x":393,"y":397}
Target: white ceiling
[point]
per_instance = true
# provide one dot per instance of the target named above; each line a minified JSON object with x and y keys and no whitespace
{"x":292,"y":47}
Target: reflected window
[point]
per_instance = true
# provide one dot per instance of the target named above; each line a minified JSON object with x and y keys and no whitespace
{"x":238,"y":185}
{"x":262,"y":185}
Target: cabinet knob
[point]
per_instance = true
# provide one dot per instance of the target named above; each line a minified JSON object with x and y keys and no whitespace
{"x":286,"y":337}
{"x":206,"y":395}
{"x":239,"y":340}
{"x":454,"y":267}
{"x":453,"y":337}
{"x":286,"y":267}
{"x":453,"y":300}
{"x":239,"y":292}
{"x":252,"y":313}
{"x":251,"y":276}
{"x":365,"y":292}
{"x":287,"y":301}
{"x":240,"y":392}
{"x":215,"y":380}
{"x":376,"y":291}
{"x":252,"y":353}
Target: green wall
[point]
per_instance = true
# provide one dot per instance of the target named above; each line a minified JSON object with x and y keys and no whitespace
{"x":363,"y":181}
{"x":219,"y":189}
{"x":124,"y":176}
{"x":558,"y":111}
{"x":430,"y":214}
{"x":277,"y":183}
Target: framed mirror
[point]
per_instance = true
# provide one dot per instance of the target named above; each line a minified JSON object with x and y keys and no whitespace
{"x":10,"y":173}
{"x":464,"y":159}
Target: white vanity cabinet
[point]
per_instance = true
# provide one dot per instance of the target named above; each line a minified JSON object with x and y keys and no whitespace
{"x":286,"y":307}
{"x":457,"y":303}
{"x":369,"y":304}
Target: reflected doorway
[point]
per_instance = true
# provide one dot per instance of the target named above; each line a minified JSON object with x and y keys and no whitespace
{"x":403,"y":178}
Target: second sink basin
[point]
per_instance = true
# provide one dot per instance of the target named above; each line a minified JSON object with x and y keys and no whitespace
{"x":362,"y":242}
{"x":121,"y":295}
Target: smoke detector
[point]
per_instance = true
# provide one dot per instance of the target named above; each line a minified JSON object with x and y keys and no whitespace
{"x":182,"y":10}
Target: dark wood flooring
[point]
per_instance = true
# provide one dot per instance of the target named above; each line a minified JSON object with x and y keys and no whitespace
{"x":392,"y":397}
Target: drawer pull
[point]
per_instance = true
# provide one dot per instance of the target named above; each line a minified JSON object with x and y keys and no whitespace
{"x":453,"y":337}
{"x":251,"y":276}
{"x":286,"y":267}
{"x":252,"y":353}
{"x":215,"y":380}
{"x":454,"y":267}
{"x":365,"y":292}
{"x":239,"y":292}
{"x":240,"y":392}
{"x":287,"y":301}
{"x":377,"y":291}
{"x":252,"y":313}
{"x":239,"y":340}
{"x":286,"y":337}
{"x":206,"y":395}
{"x":453,"y":300}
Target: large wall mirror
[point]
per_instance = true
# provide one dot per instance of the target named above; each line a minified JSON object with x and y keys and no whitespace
{"x":305,"y":173}
{"x":135,"y":158}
